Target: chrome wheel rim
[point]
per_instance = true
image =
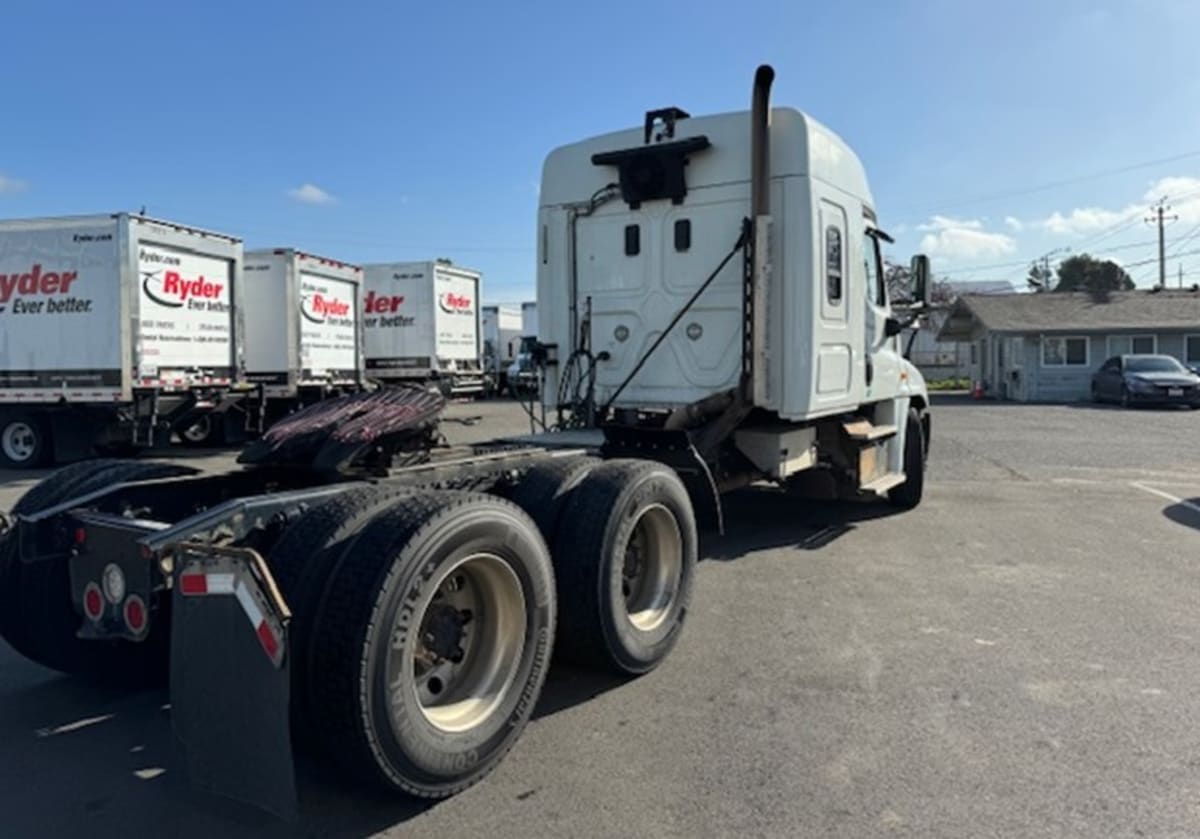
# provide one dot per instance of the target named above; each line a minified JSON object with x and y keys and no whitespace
{"x":652,"y":568}
{"x":19,"y":441}
{"x":198,"y":432}
{"x":467,"y":652}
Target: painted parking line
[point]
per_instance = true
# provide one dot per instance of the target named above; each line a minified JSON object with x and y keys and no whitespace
{"x":1191,"y":505}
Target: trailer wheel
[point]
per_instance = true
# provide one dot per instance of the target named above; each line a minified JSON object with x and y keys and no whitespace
{"x":543,"y":491}
{"x":625,"y":560}
{"x":24,"y":440}
{"x":433,"y":642}
{"x":301,"y":562}
{"x":45,"y":618}
{"x":209,"y":430}
{"x":908,"y":494}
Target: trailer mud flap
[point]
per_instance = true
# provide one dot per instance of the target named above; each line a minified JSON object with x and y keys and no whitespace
{"x":229,"y":677}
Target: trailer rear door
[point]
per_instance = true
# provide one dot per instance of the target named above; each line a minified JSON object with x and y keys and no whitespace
{"x":328,"y":328}
{"x":457,"y":315}
{"x":185,"y":316}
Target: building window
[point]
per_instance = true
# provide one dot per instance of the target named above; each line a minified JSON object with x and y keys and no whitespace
{"x":1132,"y":344}
{"x":974,"y":352}
{"x":1066,"y":351}
{"x":833,"y":264}
{"x":1191,"y":349}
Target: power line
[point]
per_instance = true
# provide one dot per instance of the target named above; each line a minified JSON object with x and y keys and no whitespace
{"x":1049,"y":185}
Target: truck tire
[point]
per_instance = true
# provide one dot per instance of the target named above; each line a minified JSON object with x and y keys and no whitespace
{"x":24,"y":440}
{"x":543,"y":491}
{"x":625,"y":560}
{"x":433,"y":642}
{"x":50,"y":491}
{"x":58,"y":485}
{"x":908,"y":494}
{"x":46,"y":620}
{"x":301,"y":562}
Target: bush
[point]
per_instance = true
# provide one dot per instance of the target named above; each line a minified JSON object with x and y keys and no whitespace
{"x":949,"y":384}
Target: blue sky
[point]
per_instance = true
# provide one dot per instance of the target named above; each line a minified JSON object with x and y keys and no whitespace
{"x":391,"y":131}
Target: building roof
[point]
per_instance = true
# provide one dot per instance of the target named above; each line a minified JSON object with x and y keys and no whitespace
{"x":1072,"y":312}
{"x":961,"y":287}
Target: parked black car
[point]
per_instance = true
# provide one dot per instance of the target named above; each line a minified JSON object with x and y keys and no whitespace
{"x":1146,"y":380}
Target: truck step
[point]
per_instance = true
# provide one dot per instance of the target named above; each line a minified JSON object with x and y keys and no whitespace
{"x":884,"y":482}
{"x":866,"y":431}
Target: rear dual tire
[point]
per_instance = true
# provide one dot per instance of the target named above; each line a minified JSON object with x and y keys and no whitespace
{"x":625,"y":553}
{"x":432,"y":642}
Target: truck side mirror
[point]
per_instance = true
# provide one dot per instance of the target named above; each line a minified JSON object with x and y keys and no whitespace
{"x":920,"y":279}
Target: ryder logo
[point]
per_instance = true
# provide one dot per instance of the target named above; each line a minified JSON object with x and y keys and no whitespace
{"x":23,"y":290}
{"x":455,"y":304}
{"x":175,"y":291}
{"x":318,"y":308}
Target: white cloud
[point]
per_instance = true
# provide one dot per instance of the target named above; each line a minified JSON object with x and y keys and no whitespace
{"x":1014,"y":224}
{"x":1183,"y":197}
{"x":8,"y":184}
{"x":311,"y":194}
{"x":1082,"y":220}
{"x":945,"y":222}
{"x":1182,"y":194}
{"x":949,"y":238}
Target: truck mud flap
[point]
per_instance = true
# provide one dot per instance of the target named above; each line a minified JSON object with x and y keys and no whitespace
{"x":229,"y":677}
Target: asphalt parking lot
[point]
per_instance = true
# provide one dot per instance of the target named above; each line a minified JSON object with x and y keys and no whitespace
{"x":1017,"y":657}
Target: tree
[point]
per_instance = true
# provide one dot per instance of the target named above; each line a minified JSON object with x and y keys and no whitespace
{"x":1098,"y":278}
{"x":899,"y":285}
{"x":1039,"y":277}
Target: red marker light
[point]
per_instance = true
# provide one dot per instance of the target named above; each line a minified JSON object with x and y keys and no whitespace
{"x":93,"y":602}
{"x":80,"y":536}
{"x":135,"y":614}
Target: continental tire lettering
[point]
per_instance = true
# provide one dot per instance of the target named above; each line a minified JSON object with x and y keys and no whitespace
{"x":529,"y":696}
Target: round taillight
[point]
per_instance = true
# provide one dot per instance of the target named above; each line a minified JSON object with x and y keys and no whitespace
{"x":135,"y":614}
{"x":114,"y":583}
{"x":93,"y":602}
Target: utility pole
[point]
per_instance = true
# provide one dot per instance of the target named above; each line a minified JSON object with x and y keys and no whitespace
{"x":1044,"y":259}
{"x":1158,"y":216}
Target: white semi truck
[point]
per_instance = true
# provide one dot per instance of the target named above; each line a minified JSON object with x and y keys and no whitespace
{"x":501,"y":342}
{"x":115,"y":330}
{"x":306,"y":343}
{"x":421,"y":325}
{"x":713,"y":316}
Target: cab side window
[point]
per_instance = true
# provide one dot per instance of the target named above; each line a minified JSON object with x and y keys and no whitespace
{"x":876,"y":288}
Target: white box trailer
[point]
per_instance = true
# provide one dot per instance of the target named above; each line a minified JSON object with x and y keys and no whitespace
{"x":522,"y":372}
{"x":502,"y":330}
{"x":421,"y":325}
{"x":306,"y":340}
{"x":113,"y":328}
{"x":529,"y":321}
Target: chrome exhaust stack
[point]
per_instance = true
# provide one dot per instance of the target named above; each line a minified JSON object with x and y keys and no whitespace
{"x":760,"y":142}
{"x":755,"y":356}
